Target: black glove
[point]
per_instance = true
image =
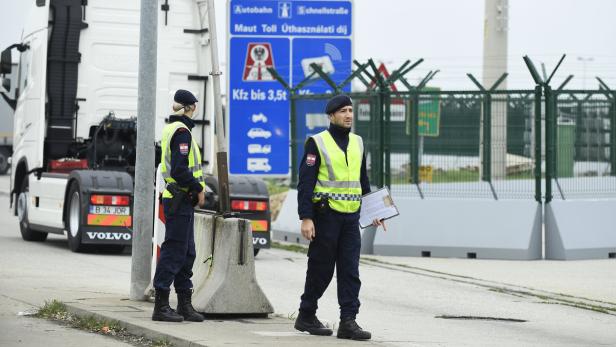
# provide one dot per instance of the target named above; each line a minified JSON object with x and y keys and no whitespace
{"x":194,"y":198}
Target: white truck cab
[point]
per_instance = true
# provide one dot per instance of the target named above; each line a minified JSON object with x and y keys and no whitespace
{"x":75,"y":110}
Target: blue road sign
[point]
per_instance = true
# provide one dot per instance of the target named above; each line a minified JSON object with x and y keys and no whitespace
{"x":259,"y":107}
{"x":287,"y":36}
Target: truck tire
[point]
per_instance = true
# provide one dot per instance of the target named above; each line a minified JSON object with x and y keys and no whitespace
{"x":22,"y":214}
{"x":4,"y":160}
{"x":73,"y":219}
{"x":256,"y":251}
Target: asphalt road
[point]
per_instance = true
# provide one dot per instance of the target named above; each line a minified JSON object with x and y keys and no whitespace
{"x":401,"y":306}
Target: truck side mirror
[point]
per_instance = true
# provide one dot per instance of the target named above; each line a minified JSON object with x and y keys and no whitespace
{"x":6,"y":84}
{"x":6,"y":61}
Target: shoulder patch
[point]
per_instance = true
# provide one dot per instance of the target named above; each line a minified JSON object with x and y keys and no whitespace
{"x":184,"y":148}
{"x":311,"y":159}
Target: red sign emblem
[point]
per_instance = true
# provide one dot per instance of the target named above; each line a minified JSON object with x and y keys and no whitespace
{"x":258,"y":58}
{"x":311,"y":159}
{"x":184,"y":148}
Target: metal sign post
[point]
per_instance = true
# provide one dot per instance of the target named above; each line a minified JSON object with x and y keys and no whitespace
{"x":144,"y":167}
{"x":221,"y":139}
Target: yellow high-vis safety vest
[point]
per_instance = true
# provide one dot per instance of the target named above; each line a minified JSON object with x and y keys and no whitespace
{"x":194,"y":157}
{"x":338,"y":181}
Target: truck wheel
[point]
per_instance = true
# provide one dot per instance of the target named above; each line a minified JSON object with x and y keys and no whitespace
{"x":4,"y":160}
{"x":256,"y":250}
{"x":73,"y":219}
{"x":22,"y":214}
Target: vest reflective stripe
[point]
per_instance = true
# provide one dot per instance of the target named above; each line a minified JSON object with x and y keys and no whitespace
{"x":194,"y":157}
{"x":338,"y":180}
{"x":340,"y":184}
{"x":325,"y":155}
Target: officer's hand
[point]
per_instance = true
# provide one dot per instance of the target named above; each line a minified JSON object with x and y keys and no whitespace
{"x":308,"y":229}
{"x":378,"y":222}
{"x":201,"y":199}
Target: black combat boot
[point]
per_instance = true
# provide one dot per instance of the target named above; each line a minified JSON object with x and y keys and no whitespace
{"x":312,"y":325}
{"x":185,"y":307}
{"x":349,"y":329}
{"x":162,"y":310}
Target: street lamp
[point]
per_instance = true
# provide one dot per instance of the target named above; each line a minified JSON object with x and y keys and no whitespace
{"x":584,"y":60}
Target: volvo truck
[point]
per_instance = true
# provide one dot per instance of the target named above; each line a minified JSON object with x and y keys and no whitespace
{"x":75,"y":112}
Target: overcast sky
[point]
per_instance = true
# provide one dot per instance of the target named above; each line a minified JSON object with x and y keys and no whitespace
{"x":448,"y":34}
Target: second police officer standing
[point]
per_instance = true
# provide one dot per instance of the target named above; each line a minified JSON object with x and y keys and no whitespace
{"x":185,"y":186}
{"x":332,"y":180}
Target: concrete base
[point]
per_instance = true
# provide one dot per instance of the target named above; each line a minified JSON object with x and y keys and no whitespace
{"x":224,"y":272}
{"x":485,"y":229}
{"x":580,"y":229}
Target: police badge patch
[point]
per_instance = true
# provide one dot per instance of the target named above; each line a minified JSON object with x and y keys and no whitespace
{"x":184,"y":148}
{"x":311,"y":159}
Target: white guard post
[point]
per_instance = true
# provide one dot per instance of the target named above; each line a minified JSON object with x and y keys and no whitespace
{"x":159,"y":228}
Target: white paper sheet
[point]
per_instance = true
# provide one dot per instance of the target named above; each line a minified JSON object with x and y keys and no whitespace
{"x":377,"y":204}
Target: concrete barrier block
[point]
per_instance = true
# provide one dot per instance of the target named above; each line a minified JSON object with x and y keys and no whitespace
{"x":473,"y":228}
{"x":286,"y":227}
{"x":580,"y":229}
{"x":224,"y":273}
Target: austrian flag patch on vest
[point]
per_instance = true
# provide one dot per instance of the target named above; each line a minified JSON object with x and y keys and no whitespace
{"x":311,"y":159}
{"x":184,"y":148}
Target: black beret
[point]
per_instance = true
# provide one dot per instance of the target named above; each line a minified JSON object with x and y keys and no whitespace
{"x":338,"y":102}
{"x":184,"y":97}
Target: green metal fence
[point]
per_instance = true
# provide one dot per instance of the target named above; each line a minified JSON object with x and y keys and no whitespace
{"x":487,"y":143}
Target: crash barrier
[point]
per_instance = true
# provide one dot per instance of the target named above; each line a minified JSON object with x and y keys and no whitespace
{"x":534,"y":145}
{"x":580,"y":229}
{"x":223,"y":279}
{"x":224,"y":273}
{"x":482,"y":229}
{"x":475,"y":228}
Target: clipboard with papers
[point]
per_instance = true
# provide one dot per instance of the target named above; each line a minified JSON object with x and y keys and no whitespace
{"x":376,"y":205}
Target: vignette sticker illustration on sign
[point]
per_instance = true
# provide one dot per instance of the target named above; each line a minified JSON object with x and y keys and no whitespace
{"x":287,"y":36}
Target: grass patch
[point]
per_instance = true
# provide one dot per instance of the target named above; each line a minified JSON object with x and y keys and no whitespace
{"x":52,"y":310}
{"x":290,"y":247}
{"x":56,"y":311}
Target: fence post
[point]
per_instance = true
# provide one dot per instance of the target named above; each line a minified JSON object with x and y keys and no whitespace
{"x":538,"y":90}
{"x":613,"y":137}
{"x":550,"y":134}
{"x":386,"y":139}
{"x":414,"y":112}
{"x":487,"y":138}
{"x":293,"y":133}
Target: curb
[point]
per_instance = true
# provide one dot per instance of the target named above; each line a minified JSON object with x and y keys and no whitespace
{"x":134,"y":329}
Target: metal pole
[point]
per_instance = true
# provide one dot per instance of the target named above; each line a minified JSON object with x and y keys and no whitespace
{"x":221,"y":139}
{"x":144,"y":167}
{"x":294,"y":140}
{"x":549,"y":143}
{"x":387,"y":143}
{"x":414,"y":104}
{"x":613,"y":137}
{"x":538,"y":158}
{"x":487,"y":138}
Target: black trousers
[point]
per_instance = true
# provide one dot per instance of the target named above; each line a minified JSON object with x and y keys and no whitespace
{"x":177,"y":253}
{"x":337,"y":244}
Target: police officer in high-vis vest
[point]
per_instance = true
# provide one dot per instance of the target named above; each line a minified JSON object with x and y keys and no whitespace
{"x":332,"y":180}
{"x":181,"y":169}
